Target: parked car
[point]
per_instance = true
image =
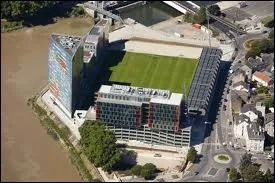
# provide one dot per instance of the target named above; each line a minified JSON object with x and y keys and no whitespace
{"x":157,"y":155}
{"x":197,"y":173}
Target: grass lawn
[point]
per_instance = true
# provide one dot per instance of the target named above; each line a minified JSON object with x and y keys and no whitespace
{"x":153,"y":71}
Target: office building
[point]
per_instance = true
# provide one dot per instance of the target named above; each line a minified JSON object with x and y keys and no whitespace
{"x":143,"y":114}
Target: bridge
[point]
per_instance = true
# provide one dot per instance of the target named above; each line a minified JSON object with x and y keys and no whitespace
{"x":189,"y":6}
{"x":100,"y":10}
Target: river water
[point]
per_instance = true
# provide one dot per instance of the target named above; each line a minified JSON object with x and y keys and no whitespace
{"x":28,"y":153}
{"x":149,"y":14}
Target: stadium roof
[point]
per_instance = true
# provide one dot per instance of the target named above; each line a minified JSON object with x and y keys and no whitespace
{"x":203,"y":82}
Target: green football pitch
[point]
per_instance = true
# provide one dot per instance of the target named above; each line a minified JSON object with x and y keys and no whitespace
{"x":152,"y":71}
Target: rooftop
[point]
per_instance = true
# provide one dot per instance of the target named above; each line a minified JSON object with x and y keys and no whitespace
{"x":68,"y":42}
{"x":153,"y":95}
{"x":262,"y":76}
{"x":204,"y":79}
{"x":241,"y":118}
{"x":255,"y":132}
{"x":248,"y":107}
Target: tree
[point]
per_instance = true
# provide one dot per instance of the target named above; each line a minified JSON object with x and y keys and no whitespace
{"x":233,"y":174}
{"x":214,"y":10}
{"x":188,"y":17}
{"x":136,"y":170}
{"x":99,"y":145}
{"x":77,"y":11}
{"x":268,"y":176}
{"x":245,"y":162}
{"x":200,"y":16}
{"x":192,"y":154}
{"x":148,"y":170}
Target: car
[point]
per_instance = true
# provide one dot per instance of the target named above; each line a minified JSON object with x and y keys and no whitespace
{"x":207,"y":122}
{"x":157,"y":155}
{"x":236,"y":49}
{"x":265,"y":31}
{"x":225,"y":100}
{"x":197,"y":173}
{"x":224,"y":107}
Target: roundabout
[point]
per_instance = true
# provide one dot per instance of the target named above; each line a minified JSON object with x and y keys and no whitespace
{"x":222,"y":158}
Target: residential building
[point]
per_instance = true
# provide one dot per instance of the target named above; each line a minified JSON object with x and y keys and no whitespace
{"x":261,"y":108}
{"x":269,"y":124}
{"x":251,"y":132}
{"x":240,"y":86}
{"x":261,"y":78}
{"x":255,"y":138}
{"x":143,"y":114}
{"x":250,"y":111}
{"x":240,"y":123}
{"x":247,"y":71}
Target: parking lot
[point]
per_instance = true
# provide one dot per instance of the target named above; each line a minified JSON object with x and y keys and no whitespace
{"x":259,"y":8}
{"x":235,"y":13}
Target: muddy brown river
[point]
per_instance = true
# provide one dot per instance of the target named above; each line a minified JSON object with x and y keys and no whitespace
{"x":28,"y":153}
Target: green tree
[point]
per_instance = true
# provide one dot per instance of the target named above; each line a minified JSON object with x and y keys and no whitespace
{"x":192,"y":154}
{"x":99,"y":145}
{"x":77,"y":11}
{"x":245,"y":162}
{"x":200,"y":16}
{"x":188,"y":17}
{"x":233,"y":174}
{"x":214,"y":10}
{"x":148,"y":170}
{"x":268,"y":176}
{"x":136,"y":170}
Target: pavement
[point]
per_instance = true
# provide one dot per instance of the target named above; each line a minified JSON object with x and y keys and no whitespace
{"x":141,"y":31}
{"x":157,"y":49}
{"x":69,"y":122}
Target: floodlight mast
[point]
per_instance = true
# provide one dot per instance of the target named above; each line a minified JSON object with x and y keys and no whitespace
{"x":207,"y":16}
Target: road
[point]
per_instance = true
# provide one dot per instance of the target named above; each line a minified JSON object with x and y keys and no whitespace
{"x":215,"y":134}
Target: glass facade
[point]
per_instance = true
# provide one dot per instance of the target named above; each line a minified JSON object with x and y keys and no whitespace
{"x":65,"y":73}
{"x":60,"y":74}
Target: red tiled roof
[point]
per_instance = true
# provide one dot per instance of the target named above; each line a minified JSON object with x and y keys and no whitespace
{"x":262,"y":76}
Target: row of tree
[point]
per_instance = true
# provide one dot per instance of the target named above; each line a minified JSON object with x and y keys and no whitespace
{"x":21,"y":10}
{"x":99,"y":145}
{"x":250,"y":172}
{"x":200,"y":16}
{"x":146,"y":171}
{"x":265,"y":45}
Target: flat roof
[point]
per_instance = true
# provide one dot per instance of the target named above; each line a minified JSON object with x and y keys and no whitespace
{"x":68,"y":42}
{"x":154,"y":95}
{"x":125,"y":102}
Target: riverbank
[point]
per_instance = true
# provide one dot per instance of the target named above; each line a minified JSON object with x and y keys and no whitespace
{"x":62,"y":134}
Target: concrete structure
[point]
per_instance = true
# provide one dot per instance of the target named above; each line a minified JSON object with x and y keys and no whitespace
{"x":247,"y":71}
{"x":143,"y":114}
{"x":261,"y":78}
